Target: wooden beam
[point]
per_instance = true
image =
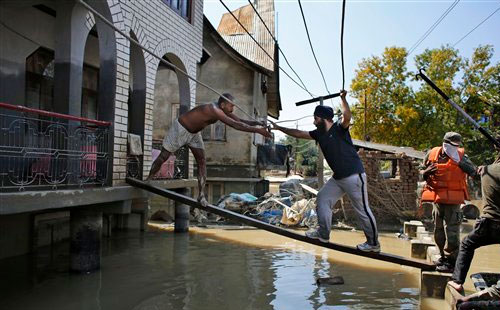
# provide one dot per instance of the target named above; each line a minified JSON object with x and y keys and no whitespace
{"x":417,"y":263}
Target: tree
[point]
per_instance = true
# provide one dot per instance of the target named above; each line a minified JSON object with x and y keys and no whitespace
{"x":398,"y":114}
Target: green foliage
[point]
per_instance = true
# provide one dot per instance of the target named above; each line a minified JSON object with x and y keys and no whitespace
{"x":399,"y":114}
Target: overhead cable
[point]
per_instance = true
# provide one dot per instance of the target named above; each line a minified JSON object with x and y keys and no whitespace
{"x":431,"y":28}
{"x":312,"y":49}
{"x":484,"y":20}
{"x":342,"y":44}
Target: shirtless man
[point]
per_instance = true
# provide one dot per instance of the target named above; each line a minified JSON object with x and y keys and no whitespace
{"x":186,"y":130}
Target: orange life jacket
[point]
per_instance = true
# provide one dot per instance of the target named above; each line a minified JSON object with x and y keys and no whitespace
{"x":448,"y":185}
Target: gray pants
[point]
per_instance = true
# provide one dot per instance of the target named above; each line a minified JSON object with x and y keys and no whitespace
{"x":355,"y":187}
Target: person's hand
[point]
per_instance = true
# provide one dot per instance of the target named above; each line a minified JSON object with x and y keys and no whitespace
{"x":343,"y":93}
{"x":274,"y":126}
{"x":480,"y":170}
{"x":264,"y":132}
{"x":430,"y":170}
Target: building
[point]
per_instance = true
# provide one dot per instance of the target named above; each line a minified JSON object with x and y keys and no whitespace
{"x":89,"y":91}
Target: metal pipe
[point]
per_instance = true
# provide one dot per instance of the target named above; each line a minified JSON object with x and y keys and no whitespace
{"x":458,"y":108}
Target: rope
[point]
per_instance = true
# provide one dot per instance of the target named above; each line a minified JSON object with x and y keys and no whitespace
{"x":177,"y":69}
{"x":342,"y":44}
{"x":279,"y":49}
{"x":465,"y":36}
{"x":258,"y":44}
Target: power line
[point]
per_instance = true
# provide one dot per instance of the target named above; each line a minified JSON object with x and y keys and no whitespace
{"x":312,"y":49}
{"x":279,"y":49}
{"x":272,"y":58}
{"x":342,"y":44}
{"x":293,"y":120}
{"x":161,"y":59}
{"x":431,"y":28}
{"x":484,"y":20}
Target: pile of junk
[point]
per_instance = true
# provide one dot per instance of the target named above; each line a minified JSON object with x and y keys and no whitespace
{"x":294,"y":206}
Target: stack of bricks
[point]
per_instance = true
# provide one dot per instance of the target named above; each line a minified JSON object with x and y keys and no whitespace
{"x":398,"y":191}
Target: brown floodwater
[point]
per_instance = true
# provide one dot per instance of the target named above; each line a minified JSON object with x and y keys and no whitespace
{"x":216,"y":269}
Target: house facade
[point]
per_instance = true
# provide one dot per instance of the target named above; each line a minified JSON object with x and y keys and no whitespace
{"x":74,"y":92}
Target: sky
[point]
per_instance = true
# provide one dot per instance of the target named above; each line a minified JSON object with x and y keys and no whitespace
{"x":370,"y":27}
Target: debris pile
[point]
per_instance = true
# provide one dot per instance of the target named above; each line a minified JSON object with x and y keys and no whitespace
{"x":292,"y":207}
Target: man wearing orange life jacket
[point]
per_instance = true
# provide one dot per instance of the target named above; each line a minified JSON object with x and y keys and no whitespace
{"x":445,"y":173}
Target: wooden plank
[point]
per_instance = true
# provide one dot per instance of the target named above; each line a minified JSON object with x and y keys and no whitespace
{"x":417,"y":263}
{"x":309,"y":189}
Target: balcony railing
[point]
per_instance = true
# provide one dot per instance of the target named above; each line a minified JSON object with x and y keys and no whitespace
{"x":42,"y":150}
{"x":175,"y":167}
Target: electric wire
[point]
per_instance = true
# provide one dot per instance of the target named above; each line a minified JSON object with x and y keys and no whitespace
{"x":484,"y":20}
{"x":312,"y":49}
{"x":431,"y":28}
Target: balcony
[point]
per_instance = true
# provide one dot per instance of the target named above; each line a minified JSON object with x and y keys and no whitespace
{"x":42,"y":150}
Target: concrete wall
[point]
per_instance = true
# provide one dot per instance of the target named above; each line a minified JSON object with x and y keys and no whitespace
{"x":166,"y":93}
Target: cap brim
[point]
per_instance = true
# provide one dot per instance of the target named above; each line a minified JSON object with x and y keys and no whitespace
{"x":453,"y":143}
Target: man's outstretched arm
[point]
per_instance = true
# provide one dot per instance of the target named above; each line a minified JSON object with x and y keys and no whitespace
{"x":238,"y":125}
{"x":248,"y":122}
{"x":301,"y":134}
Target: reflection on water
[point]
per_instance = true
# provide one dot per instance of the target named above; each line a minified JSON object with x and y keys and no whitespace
{"x":160,"y":270}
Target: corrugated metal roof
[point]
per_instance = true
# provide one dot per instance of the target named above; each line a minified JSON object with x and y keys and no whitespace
{"x":233,"y":33}
{"x":409,"y":151}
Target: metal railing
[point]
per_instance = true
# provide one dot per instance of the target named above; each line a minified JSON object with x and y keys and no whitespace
{"x":176,"y":167}
{"x":42,"y":150}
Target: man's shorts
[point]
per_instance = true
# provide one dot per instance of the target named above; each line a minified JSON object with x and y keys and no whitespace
{"x":178,"y":136}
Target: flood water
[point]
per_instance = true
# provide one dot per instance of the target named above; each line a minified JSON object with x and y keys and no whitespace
{"x":208,"y":269}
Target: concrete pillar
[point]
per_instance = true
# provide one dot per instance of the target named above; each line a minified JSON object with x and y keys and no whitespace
{"x":70,"y":48}
{"x":182,"y":213}
{"x":86,"y":233}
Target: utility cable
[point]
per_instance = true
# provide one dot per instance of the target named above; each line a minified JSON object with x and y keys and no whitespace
{"x":263,"y":49}
{"x":279,"y":49}
{"x":431,"y":28}
{"x":312,"y":49}
{"x":342,"y":44}
{"x":484,"y":20}
{"x":293,"y":120}
{"x":177,"y":69}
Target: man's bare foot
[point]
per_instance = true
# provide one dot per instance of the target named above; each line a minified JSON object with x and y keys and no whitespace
{"x":456,"y":286}
{"x":202,"y":201}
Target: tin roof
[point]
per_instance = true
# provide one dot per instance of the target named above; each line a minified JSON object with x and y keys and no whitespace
{"x":236,"y":36}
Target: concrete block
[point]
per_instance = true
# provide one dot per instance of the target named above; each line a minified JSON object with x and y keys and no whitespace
{"x":424,"y":235}
{"x":427,"y":239}
{"x":118,"y":207}
{"x":451,"y":296}
{"x":49,"y":228}
{"x":433,"y":284}
{"x":410,"y":228}
{"x":419,"y":248}
{"x":433,"y":254}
